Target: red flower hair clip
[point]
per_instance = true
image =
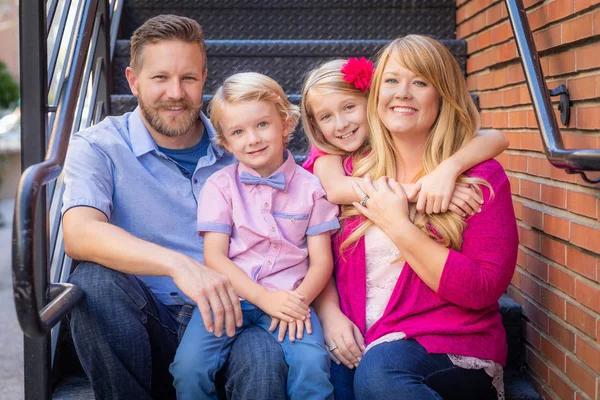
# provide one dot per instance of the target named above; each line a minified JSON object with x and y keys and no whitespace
{"x":358,"y":72}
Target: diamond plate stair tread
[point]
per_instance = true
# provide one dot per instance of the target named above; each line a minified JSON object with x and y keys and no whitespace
{"x":306,"y":23}
{"x":269,"y":4}
{"x":286,"y":61}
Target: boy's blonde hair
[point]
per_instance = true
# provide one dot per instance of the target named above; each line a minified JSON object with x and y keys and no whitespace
{"x":328,"y":78}
{"x":251,"y":86}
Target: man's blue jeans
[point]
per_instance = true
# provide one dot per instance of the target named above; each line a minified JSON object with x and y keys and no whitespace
{"x":126,"y":339}
{"x":404,"y":370}
{"x":201,"y":354}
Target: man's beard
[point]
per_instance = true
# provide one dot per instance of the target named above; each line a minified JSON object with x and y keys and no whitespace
{"x":182,"y":123}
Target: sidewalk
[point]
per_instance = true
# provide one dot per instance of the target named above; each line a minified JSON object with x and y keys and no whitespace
{"x":11,"y":339}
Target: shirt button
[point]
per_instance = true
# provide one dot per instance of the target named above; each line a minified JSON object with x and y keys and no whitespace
{"x":269,"y":262}
{"x":195,"y":180}
{"x":273,"y":229}
{"x":266,"y":204}
{"x":293,"y":221}
{"x":275,"y":246}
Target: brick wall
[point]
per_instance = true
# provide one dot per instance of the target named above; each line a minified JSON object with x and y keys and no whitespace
{"x":557,"y":277}
{"x":9,"y":34}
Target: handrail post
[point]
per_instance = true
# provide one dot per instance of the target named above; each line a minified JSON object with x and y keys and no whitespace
{"x":33,"y":65}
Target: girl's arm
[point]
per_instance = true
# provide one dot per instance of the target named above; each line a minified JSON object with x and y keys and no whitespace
{"x":338,"y":186}
{"x":320,"y":266}
{"x":435,"y":192}
{"x":280,"y":304}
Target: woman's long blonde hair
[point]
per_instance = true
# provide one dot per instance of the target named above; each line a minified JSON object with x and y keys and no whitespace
{"x":455,"y":125}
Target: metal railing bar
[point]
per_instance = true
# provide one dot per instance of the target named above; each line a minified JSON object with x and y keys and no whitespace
{"x":50,"y":14}
{"x":574,"y":161}
{"x":89,"y":64}
{"x":115,"y":19}
{"x":32,"y":181}
{"x":54,"y":217}
{"x":58,"y":40}
{"x":95,"y":87}
{"x":99,"y":112}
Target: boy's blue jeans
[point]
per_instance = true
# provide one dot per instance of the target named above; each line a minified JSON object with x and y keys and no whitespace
{"x":126,"y":339}
{"x":201,"y":354}
{"x":404,"y":370}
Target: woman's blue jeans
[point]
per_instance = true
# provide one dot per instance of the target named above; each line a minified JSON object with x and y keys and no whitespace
{"x":126,"y":339}
{"x":404,"y":370}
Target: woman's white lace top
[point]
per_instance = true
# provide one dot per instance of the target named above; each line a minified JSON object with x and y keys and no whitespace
{"x":383,"y":270}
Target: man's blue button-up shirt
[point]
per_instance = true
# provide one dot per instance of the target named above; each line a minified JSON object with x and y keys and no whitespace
{"x":117,"y":168}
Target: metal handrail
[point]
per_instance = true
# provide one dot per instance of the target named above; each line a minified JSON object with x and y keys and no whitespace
{"x":63,"y":297}
{"x":573,"y":161}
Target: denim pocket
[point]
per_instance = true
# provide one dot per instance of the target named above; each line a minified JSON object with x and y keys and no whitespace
{"x":183,"y":319}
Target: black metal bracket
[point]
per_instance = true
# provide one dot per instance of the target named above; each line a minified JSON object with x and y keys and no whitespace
{"x":564,"y":104}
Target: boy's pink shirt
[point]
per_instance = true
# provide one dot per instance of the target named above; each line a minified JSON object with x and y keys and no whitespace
{"x":267,"y":226}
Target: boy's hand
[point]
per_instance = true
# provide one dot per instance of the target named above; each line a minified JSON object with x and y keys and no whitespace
{"x":285,"y":305}
{"x":295,"y":329}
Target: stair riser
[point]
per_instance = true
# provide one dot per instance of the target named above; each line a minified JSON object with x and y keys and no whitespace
{"x":286,"y":62}
{"x":306,"y":23}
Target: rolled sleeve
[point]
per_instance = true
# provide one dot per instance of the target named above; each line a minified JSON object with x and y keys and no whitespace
{"x":88,"y":177}
{"x":214,"y":209}
{"x":323,"y":217}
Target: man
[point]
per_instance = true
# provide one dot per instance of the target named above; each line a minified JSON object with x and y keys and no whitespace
{"x":129,"y":211}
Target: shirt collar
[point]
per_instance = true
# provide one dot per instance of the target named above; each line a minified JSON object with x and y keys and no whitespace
{"x":142,"y":142}
{"x":288,"y":168}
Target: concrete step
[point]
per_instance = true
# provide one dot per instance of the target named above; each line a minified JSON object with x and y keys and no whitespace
{"x":286,"y":61}
{"x":309,"y":19}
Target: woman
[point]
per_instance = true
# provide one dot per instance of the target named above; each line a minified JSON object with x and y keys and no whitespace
{"x":422,"y":290}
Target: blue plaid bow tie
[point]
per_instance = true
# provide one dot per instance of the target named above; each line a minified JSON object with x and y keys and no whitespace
{"x":276,"y":181}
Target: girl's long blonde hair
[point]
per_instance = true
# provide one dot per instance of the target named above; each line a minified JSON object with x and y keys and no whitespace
{"x":455,"y":125}
{"x":329,"y":78}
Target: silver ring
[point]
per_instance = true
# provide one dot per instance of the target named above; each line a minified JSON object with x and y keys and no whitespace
{"x":363,"y":201}
{"x":332,"y":348}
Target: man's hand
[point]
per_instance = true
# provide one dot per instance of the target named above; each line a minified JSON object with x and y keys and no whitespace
{"x":211,"y":291}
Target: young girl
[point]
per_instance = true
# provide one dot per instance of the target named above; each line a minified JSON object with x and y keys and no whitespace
{"x":261,"y":219}
{"x":334,"y":117}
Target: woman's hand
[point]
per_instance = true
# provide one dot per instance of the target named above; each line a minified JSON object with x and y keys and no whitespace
{"x":385,"y":202}
{"x":343,"y":339}
{"x":465,"y":200}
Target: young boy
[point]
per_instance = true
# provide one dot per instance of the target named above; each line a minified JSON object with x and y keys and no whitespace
{"x":261,"y":219}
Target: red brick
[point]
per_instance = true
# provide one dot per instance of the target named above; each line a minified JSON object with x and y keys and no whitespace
{"x":586,"y":237}
{"x":564,"y":336}
{"x":521,"y":258}
{"x":547,"y":38}
{"x":558,"y":384}
{"x":524,"y":95}
{"x":501,"y":32}
{"x":554,"y":196}
{"x":495,"y":13}
{"x":500,"y":119}
{"x":517,"y":119}
{"x":536,"y":364}
{"x":553,"y":302}
{"x":582,"y":5}
{"x":537,"y":18}
{"x":581,"y":376}
{"x":559,"y":9}
{"x":537,"y":267}
{"x":556,"y":226}
{"x":588,"y":57}
{"x":507,"y":52}
{"x":562,"y":63}
{"x":531,"y":141}
{"x":511,"y":97}
{"x":582,"y":203}
{"x":553,"y":250}
{"x":532,"y":217}
{"x":536,"y":315}
{"x":580,"y":141}
{"x":588,"y":295}
{"x":532,"y":336}
{"x":596,"y":18}
{"x":530,"y":239}
{"x":478,"y":23}
{"x":538,"y":166}
{"x":577,"y":29}
{"x":515,"y":74}
{"x":561,"y":280}
{"x":588,"y":117}
{"x":517,"y":163}
{"x":561,"y":175}
{"x":588,"y":353}
{"x":582,"y":88}
{"x":514,"y":182}
{"x":581,"y":319}
{"x":490,"y":99}
{"x":553,"y":353}
{"x":531,"y":120}
{"x":472,"y":82}
{"x":531,"y":288}
{"x":582,"y":263}
{"x":531,"y":190}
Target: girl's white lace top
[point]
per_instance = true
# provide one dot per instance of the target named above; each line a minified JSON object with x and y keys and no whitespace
{"x":383,"y":270}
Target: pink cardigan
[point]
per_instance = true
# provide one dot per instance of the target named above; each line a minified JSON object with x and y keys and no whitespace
{"x":462,"y":317}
